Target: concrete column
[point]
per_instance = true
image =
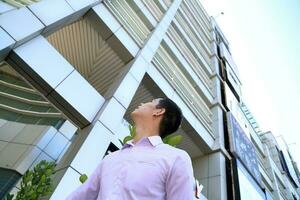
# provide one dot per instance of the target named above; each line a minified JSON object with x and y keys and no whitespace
{"x":211,"y":173}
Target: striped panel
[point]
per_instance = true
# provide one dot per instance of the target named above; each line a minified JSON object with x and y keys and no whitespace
{"x":85,"y":49}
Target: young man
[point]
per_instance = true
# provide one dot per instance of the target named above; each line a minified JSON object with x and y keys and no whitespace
{"x":145,"y":168}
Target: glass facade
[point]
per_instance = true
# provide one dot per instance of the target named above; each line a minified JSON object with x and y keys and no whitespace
{"x":249,"y":189}
{"x":31,"y":129}
{"x":22,"y":104}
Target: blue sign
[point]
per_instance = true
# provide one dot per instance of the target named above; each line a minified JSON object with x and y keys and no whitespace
{"x":242,"y":147}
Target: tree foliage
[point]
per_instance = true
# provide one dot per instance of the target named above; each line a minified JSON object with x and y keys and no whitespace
{"x":35,"y":183}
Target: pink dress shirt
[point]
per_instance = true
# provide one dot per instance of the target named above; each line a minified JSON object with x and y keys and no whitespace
{"x":147,"y":170}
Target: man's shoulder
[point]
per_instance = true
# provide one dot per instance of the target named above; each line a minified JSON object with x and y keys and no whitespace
{"x":176,"y":157}
{"x":111,"y":155}
{"x":175,"y":152}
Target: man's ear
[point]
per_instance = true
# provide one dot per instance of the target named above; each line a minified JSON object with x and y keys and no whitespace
{"x":159,"y":111}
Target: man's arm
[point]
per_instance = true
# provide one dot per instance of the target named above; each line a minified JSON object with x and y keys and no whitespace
{"x":90,"y":189}
{"x":180,"y":180}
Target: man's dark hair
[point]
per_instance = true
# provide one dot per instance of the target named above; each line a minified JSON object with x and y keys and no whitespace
{"x":171,"y":119}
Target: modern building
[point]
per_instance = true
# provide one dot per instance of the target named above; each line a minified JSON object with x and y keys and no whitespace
{"x":72,"y":71}
{"x":259,"y":168}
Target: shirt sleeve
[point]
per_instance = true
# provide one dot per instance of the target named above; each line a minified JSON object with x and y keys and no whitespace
{"x":90,"y":189}
{"x":180,"y":180}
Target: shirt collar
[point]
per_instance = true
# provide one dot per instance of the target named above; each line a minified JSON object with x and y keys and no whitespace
{"x":154,"y":141}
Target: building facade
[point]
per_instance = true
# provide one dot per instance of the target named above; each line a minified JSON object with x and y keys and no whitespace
{"x":72,"y":71}
{"x":260,"y":167}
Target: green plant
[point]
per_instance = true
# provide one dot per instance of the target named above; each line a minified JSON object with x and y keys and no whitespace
{"x":129,"y":137}
{"x":8,"y":197}
{"x":83,"y":178}
{"x":35,"y":183}
{"x":173,"y":140}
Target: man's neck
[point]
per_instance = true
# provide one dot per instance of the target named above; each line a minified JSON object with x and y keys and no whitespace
{"x":142,"y":131}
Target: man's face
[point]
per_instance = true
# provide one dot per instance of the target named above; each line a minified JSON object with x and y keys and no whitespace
{"x":145,"y":110}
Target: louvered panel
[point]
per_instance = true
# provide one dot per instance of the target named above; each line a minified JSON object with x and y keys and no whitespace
{"x":19,"y":3}
{"x":72,"y":41}
{"x":85,"y":49}
{"x":169,"y":69}
{"x":129,"y":19}
{"x":194,"y":36}
{"x":201,"y":11}
{"x":105,"y":76}
{"x":195,"y":41}
{"x":189,"y":56}
{"x":106,"y":66}
{"x":199,"y":17}
{"x":191,"y":19}
{"x":154,"y":9}
{"x":168,"y":2}
{"x":103,"y":55}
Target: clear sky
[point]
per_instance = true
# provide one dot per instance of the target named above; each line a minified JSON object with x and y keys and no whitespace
{"x":264,"y":37}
